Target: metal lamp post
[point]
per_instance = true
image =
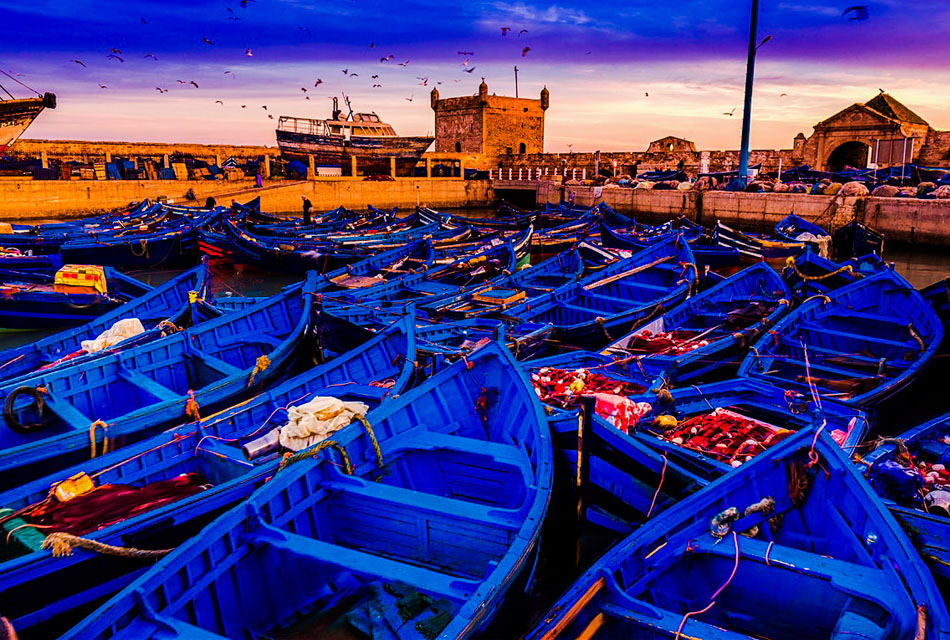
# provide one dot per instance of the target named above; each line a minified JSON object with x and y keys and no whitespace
{"x":747,"y":104}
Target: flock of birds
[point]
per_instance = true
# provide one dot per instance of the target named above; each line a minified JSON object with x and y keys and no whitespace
{"x":853,"y":13}
{"x":466,"y":64}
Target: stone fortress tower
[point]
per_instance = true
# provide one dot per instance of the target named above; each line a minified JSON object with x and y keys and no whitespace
{"x":489,"y":126}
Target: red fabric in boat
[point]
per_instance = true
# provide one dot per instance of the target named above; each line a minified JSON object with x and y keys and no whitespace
{"x":111,"y":503}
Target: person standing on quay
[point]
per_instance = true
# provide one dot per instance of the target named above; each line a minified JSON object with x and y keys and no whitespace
{"x":307,"y":208}
{"x":259,"y":180}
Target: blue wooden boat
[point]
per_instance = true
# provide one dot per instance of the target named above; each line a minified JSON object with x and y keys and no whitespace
{"x":809,"y":274}
{"x":898,"y":469}
{"x":166,"y":247}
{"x":33,"y":299}
{"x":938,"y":296}
{"x":384,"y":266}
{"x":857,"y":239}
{"x":443,"y":343}
{"x":861,"y":344}
{"x":711,"y":428}
{"x":597,"y":309}
{"x":291,"y":255}
{"x":463,"y":272}
{"x":794,"y":228}
{"x":779,"y":549}
{"x":712,"y":329}
{"x":754,"y":247}
{"x":43,"y":594}
{"x":562,"y":269}
{"x":627,"y":481}
{"x":429,"y":550}
{"x":16,"y":261}
{"x":168,"y":301}
{"x":65,"y":415}
{"x":706,"y":250}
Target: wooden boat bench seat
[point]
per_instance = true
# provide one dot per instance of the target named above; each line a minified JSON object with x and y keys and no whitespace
{"x":215,"y":363}
{"x":812,"y":328}
{"x":146,"y":384}
{"x":361,"y":561}
{"x":888,"y":362}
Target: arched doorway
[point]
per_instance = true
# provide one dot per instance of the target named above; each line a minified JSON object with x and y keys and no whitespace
{"x":851,"y":154}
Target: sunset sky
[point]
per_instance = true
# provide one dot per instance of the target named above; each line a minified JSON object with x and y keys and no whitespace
{"x":599,"y":62}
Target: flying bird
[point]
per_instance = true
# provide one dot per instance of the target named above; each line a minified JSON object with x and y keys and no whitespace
{"x":411,"y":97}
{"x":264,"y":107}
{"x":505,"y":30}
{"x":304,"y":89}
{"x":231,"y":74}
{"x":860,"y":12}
{"x":229,"y":10}
{"x":375,"y":76}
{"x":525,"y":51}
{"x":249,"y":53}
{"x":80,"y":63}
{"x":306,"y":97}
{"x":270,"y":116}
{"x":404,"y":64}
{"x":588,"y":53}
{"x":318,"y":82}
{"x":646,"y":94}
{"x":468,"y":71}
{"x":118,"y":52}
{"x":377,"y":86}
{"x":244,"y":3}
{"x":354,"y":75}
{"x":219,"y":102}
{"x":112,"y":56}
{"x":425,"y":81}
{"x":523,"y":31}
{"x":181,"y":82}
{"x":143,"y":20}
{"x":244,"y":106}
{"x":729,"y":113}
{"x":372,"y":45}
{"x":102,"y":86}
{"x":345,"y":71}
{"x":466,"y":53}
{"x":386,"y":58}
{"x":193,"y":83}
{"x":206,"y":41}
{"x":781,"y":95}
{"x":151,"y":55}
{"x":160,"y":90}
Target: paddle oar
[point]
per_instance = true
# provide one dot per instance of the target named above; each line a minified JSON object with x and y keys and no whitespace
{"x":624,"y":274}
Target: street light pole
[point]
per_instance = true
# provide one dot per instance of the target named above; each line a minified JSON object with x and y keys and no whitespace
{"x":747,"y":104}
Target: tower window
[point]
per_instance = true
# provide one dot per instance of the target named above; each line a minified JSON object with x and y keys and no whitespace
{"x":458,"y":147}
{"x":522,"y":148}
{"x":508,"y":150}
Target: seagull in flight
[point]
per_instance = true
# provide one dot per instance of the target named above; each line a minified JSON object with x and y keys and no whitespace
{"x":425,"y":81}
{"x":377,"y":86}
{"x":411,"y":97}
{"x":160,"y":90}
{"x":80,"y":63}
{"x":151,"y":55}
{"x":505,"y":30}
{"x":249,"y":53}
{"x":113,"y":56}
{"x":860,"y":12}
{"x":525,"y":51}
{"x":206,"y":41}
{"x":522,"y":32}
{"x":404,"y":64}
{"x":194,"y":83}
{"x":729,"y":113}
{"x":466,"y":53}
{"x":375,"y":76}
{"x":468,"y":70}
{"x":219,"y":102}
{"x":118,"y":52}
{"x":387,"y":58}
{"x":782,"y":95}
{"x":102,"y":86}
{"x":318,"y":82}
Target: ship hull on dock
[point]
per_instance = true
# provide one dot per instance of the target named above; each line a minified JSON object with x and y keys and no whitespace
{"x":16,"y":116}
{"x":372,"y":153}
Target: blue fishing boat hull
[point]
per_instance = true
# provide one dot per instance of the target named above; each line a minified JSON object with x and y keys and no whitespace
{"x":44,"y":595}
{"x":818,"y":556}
{"x":349,"y":545}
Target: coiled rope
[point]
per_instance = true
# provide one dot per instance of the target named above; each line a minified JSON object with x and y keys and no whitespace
{"x":62,"y":544}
